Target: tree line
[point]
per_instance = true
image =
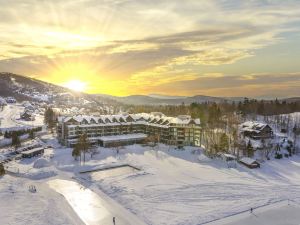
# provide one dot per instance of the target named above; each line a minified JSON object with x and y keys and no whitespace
{"x":208,"y":112}
{"x":10,"y":134}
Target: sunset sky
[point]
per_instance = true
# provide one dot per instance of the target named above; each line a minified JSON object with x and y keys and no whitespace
{"x":123,"y":47}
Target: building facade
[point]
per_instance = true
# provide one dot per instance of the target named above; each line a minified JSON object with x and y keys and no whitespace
{"x":179,"y":131}
{"x":256,"y":130}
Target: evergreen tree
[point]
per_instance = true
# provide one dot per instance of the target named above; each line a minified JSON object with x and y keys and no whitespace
{"x":15,"y":140}
{"x":214,"y":114}
{"x":224,"y":143}
{"x":2,"y":170}
{"x":83,"y":145}
{"x":49,"y":118}
{"x":250,"y":150}
{"x":6,"y":134}
{"x":76,"y":151}
{"x":31,"y":134}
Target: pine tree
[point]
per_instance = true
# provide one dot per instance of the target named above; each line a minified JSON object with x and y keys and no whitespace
{"x":76,"y":152}
{"x":6,"y":134}
{"x":83,"y":145}
{"x":15,"y":140}
{"x":224,"y":143}
{"x":250,"y":150}
{"x":31,"y":134}
{"x":49,"y":119}
{"x":2,"y":170}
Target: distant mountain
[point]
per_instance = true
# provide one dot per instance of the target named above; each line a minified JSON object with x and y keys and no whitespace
{"x":291,"y":100}
{"x":166,"y":96}
{"x":26,"y":88}
{"x":172,"y":100}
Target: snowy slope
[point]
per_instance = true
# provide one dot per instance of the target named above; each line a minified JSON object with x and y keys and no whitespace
{"x":10,"y":118}
{"x":177,"y":191}
{"x":174,"y":187}
{"x":19,"y":206}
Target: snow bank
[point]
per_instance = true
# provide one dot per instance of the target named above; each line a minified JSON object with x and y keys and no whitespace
{"x":41,"y":163}
{"x":40,"y":174}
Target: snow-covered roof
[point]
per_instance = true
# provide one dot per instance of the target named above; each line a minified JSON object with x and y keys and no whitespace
{"x":248,"y":160}
{"x":229,"y":156}
{"x":253,"y":126}
{"x":32,"y":150}
{"x":139,"y":118}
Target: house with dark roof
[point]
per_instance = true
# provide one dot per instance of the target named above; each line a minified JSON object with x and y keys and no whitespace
{"x":256,"y":130}
{"x":249,"y":162}
{"x":27,"y":115}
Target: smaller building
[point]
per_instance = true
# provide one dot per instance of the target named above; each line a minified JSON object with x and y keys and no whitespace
{"x":256,"y":130}
{"x":228,"y":157}
{"x":249,"y":162}
{"x":10,"y":100}
{"x":33,"y":152}
{"x":28,"y":116}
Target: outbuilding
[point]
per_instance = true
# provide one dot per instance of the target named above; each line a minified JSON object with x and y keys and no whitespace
{"x":249,"y":162}
{"x":33,"y":152}
{"x":227,"y":157}
{"x":27,"y":115}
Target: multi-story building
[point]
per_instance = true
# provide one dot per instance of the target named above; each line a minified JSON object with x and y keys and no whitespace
{"x":106,"y":130}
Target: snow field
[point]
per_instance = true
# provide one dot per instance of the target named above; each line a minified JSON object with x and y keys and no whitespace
{"x":174,"y":187}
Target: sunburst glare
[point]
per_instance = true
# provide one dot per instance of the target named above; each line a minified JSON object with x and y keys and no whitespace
{"x":76,"y":85}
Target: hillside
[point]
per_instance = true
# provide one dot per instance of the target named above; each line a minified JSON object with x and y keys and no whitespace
{"x":26,"y":88}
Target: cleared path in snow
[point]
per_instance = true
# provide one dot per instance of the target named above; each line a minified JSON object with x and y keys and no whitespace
{"x":93,"y":208}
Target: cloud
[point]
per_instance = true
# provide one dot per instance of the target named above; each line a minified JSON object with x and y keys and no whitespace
{"x":133,"y":42}
{"x":254,"y":85}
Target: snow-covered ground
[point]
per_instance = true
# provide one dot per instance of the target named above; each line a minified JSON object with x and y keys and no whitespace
{"x":172,"y":187}
{"x":18,"y":206}
{"x":280,"y":213}
{"x":10,"y":118}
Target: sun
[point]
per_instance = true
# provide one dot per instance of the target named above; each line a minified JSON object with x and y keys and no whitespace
{"x":76,"y":85}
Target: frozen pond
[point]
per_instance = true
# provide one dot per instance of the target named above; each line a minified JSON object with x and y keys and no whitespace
{"x":112,"y":172}
{"x":87,"y":204}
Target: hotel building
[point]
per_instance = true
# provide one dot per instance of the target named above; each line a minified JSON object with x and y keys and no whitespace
{"x":108,"y":130}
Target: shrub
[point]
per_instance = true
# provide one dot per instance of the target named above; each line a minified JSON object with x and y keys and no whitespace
{"x":2,"y":170}
{"x":278,"y":156}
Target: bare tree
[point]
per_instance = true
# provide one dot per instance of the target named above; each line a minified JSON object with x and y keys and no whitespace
{"x":267,"y":148}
